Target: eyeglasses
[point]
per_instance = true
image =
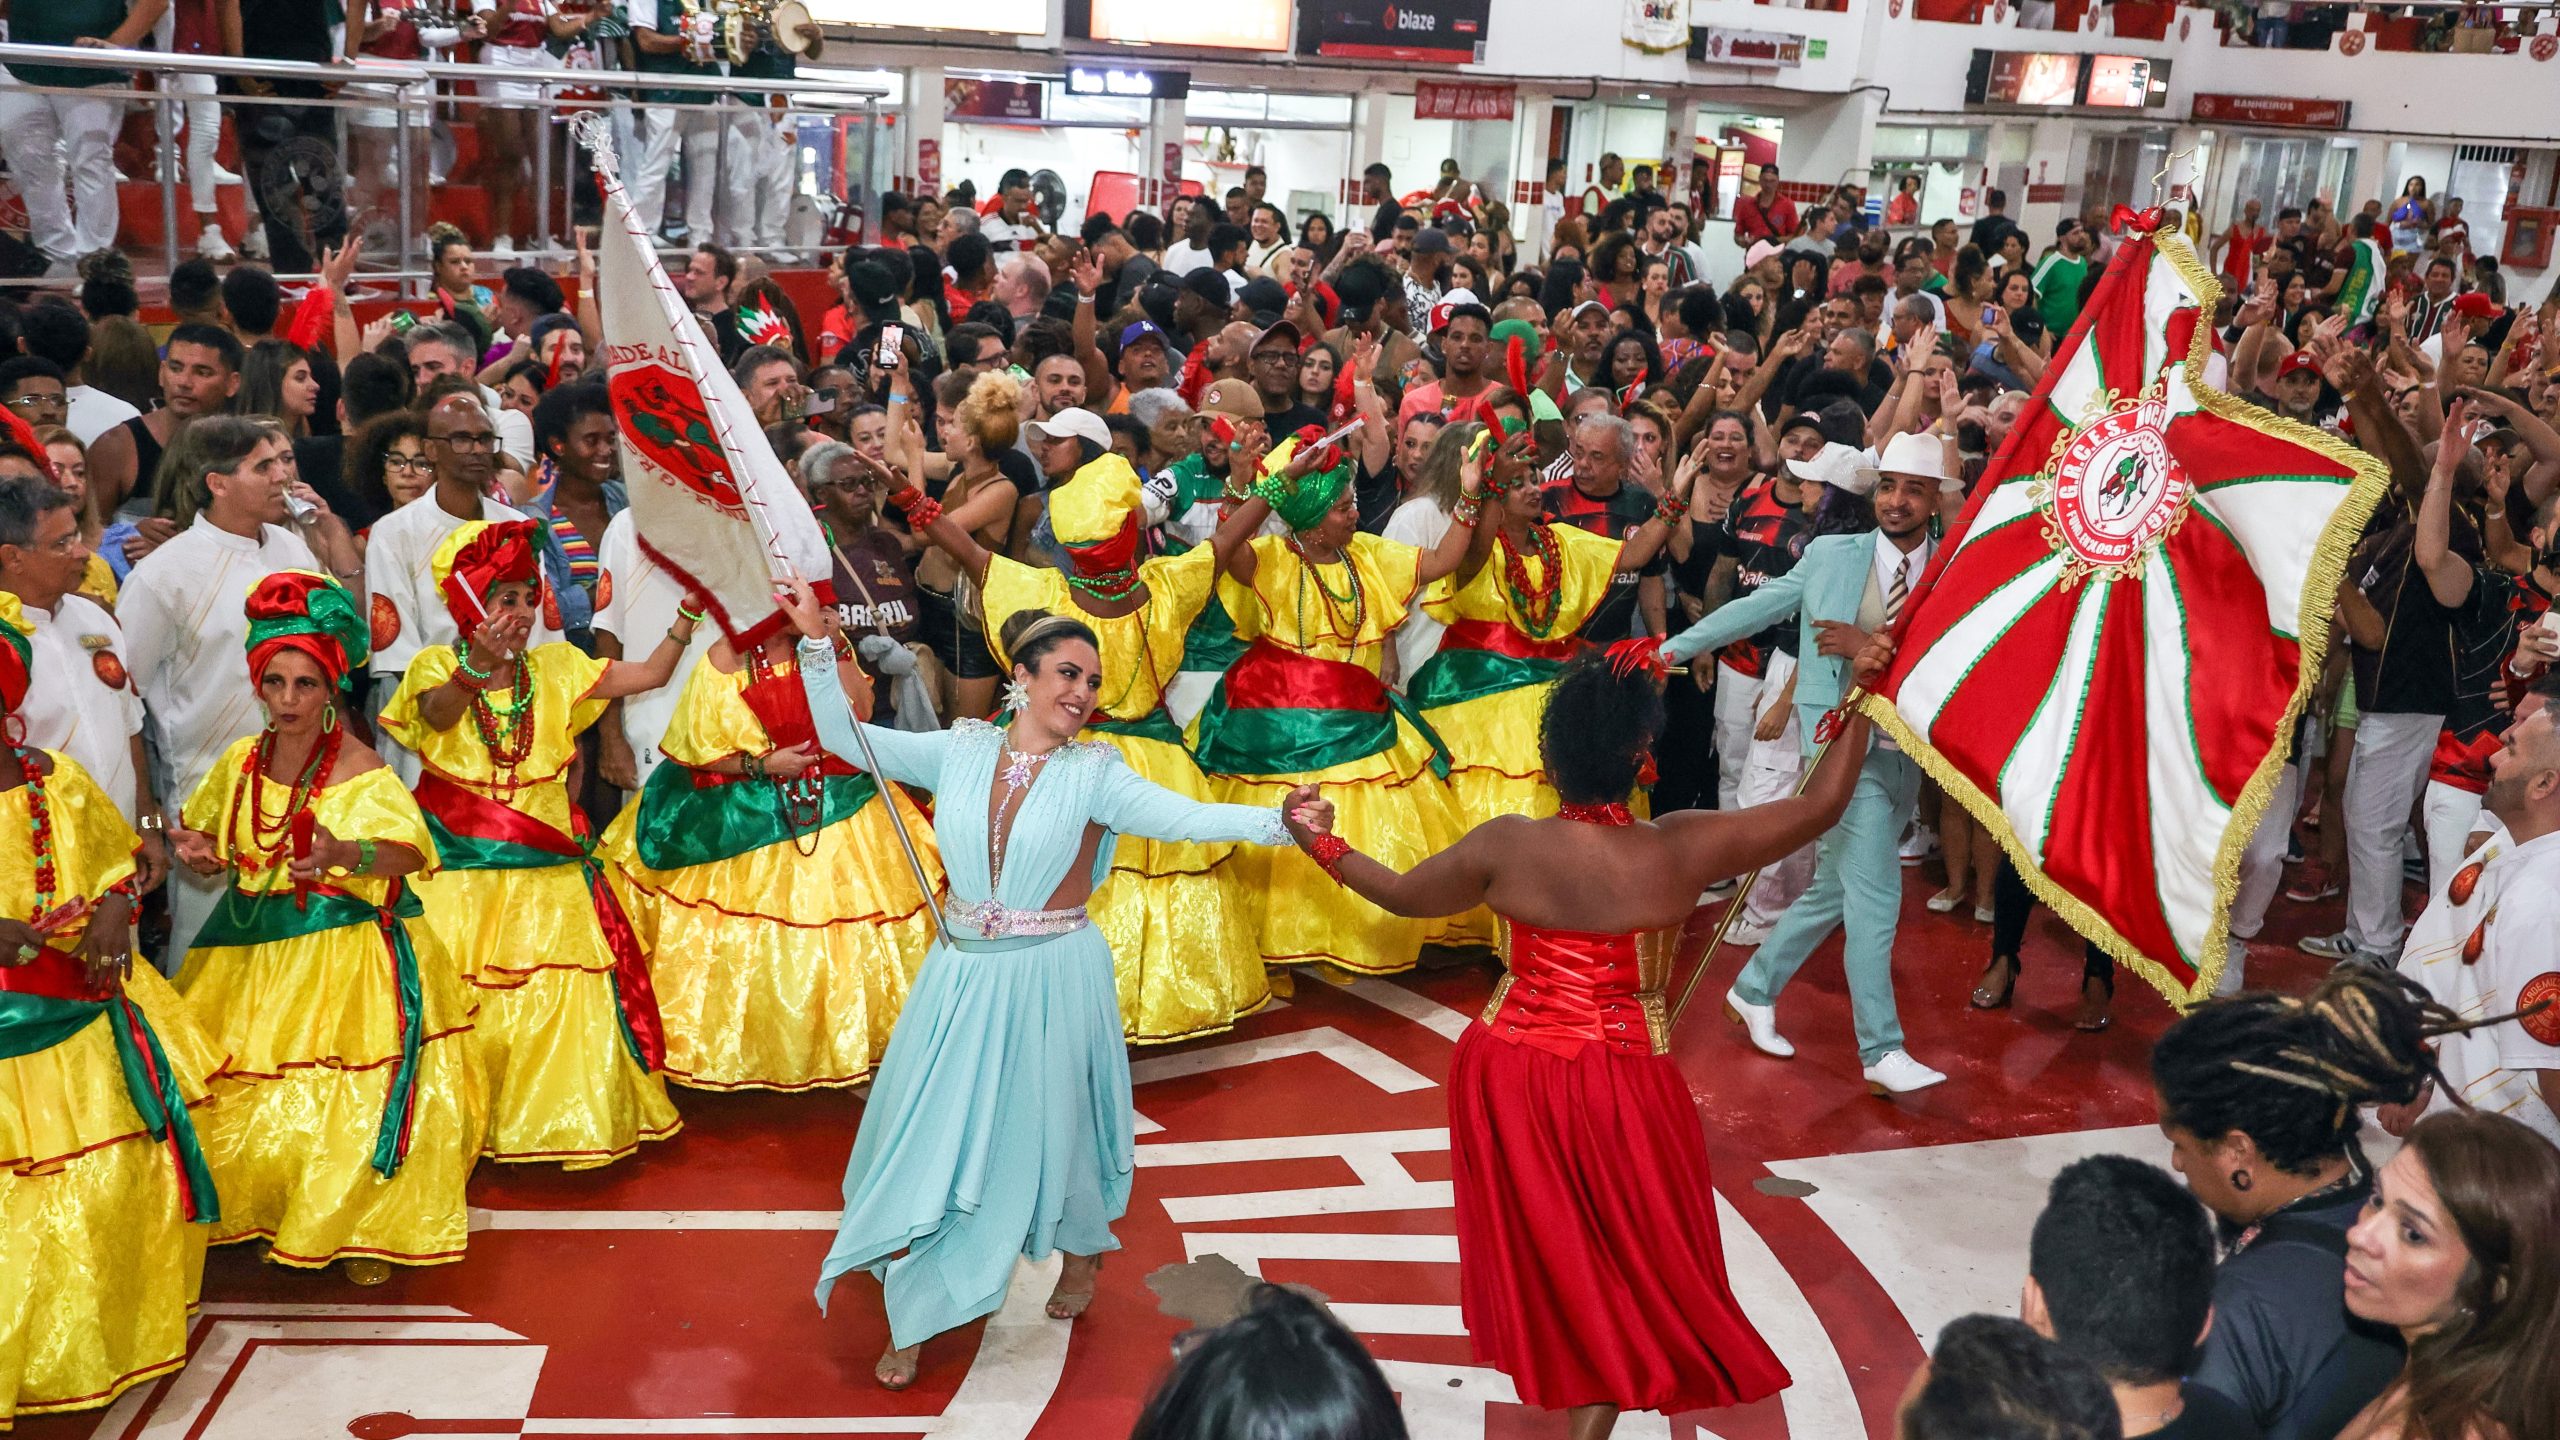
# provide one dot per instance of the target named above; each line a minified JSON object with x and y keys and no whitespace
{"x":38,"y":402}
{"x":1276,"y":357}
{"x":407,"y":462}
{"x":481,"y":441}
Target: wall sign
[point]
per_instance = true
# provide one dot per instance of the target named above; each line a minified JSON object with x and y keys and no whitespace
{"x":1717,"y":44}
{"x":1127,"y":82}
{"x":1226,"y":25}
{"x":1430,"y":32}
{"x":1456,"y":100}
{"x":964,"y":99}
{"x":2272,"y":110}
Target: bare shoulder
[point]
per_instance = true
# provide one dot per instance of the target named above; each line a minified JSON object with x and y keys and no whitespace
{"x":354,"y":758}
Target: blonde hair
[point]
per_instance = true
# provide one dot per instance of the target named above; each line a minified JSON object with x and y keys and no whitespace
{"x":991,"y":413}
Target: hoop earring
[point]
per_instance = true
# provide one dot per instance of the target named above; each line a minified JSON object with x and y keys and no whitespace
{"x":329,"y":716}
{"x":2240,"y":1181}
{"x":13,"y":730}
{"x":270,"y":714}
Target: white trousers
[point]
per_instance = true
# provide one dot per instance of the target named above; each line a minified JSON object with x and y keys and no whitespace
{"x":777,"y":180}
{"x":2450,"y":814}
{"x":1772,"y":769}
{"x":2261,"y":872}
{"x":1737,"y":703}
{"x":51,"y":139}
{"x":737,"y":173}
{"x":658,"y":132}
{"x":203,"y":119}
{"x":2383,"y":779}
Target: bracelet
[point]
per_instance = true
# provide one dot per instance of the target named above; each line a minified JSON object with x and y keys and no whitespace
{"x":1671,"y":508}
{"x":148,"y":823}
{"x":1328,"y":852}
{"x":897,"y":399}
{"x":476,"y":678}
{"x":364,"y":857}
{"x":685,"y":613}
{"x":753,"y":765}
{"x":1468,"y":510}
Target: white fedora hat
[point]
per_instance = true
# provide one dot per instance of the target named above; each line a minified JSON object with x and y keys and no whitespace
{"x":1915,"y":454}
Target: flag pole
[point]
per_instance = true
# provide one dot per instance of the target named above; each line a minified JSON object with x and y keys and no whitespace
{"x":594,"y":131}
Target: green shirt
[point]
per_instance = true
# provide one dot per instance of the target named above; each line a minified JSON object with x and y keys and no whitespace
{"x":2058,"y":280}
{"x":61,"y":22}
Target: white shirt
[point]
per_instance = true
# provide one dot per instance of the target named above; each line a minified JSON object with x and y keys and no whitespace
{"x":186,"y":631}
{"x":1421,"y":523}
{"x":1890,"y":560}
{"x":1183,"y":257}
{"x":514,"y":427}
{"x":399,"y":566}
{"x":2513,"y":904}
{"x":640,"y":606}
{"x":1002,"y":233}
{"x":94,"y":412}
{"x":71,"y":704}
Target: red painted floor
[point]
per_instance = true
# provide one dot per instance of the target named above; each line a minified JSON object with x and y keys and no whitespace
{"x":691,"y":1327}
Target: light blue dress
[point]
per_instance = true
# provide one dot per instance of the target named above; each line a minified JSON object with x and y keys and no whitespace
{"x":999,"y":1125}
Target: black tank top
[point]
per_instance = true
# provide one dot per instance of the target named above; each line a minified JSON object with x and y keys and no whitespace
{"x":144,"y":496}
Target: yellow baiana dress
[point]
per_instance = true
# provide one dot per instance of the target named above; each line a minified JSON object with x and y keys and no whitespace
{"x":781,"y":921}
{"x":565,"y":1022}
{"x":1484,"y":691}
{"x":98,"y":1263}
{"x":1305,"y":703}
{"x":1184,"y":930}
{"x":349,"y":1112}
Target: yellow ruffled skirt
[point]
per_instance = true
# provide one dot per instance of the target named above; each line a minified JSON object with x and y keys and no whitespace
{"x":312,"y":1027}
{"x":98,"y":1265}
{"x":1183,"y":930}
{"x":561,"y":1083}
{"x":1494,"y":770}
{"x":777,"y":970}
{"x":1392,"y":807}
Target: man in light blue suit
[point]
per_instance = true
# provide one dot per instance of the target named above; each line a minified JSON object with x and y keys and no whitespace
{"x":1872,"y":545}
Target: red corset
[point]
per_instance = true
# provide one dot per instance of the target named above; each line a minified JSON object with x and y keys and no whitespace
{"x":1567,"y":988}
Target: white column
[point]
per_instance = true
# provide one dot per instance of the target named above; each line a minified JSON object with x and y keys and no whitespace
{"x":1165,"y":122}
{"x":1833,"y":142}
{"x":924,"y":122}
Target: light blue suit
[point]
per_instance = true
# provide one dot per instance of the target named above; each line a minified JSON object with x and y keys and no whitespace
{"x":1857,"y":878}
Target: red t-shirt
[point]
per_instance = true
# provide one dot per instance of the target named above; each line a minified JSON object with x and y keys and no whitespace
{"x":518,"y":24}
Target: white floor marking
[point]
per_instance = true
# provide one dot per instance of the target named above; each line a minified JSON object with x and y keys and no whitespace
{"x":1943,"y":1228}
{"x":1421,"y":1009}
{"x":291,"y":1405}
{"x":1366,"y":1061}
{"x":1384,"y":1182}
{"x":1819,"y":1402}
{"x":1019,"y":1362}
{"x":1248,"y":1248}
{"x":1399,"y":1319}
{"x":1448,"y":1402}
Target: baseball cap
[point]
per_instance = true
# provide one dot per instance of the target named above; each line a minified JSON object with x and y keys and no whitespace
{"x":1139,"y":332}
{"x":2473,"y":305}
{"x":2063,"y":230}
{"x":1760,"y":250}
{"x":1460,"y":299}
{"x":1211,"y":286}
{"x":1803,"y":420}
{"x":1576,"y":312}
{"x":1264,"y":299}
{"x":1078,"y":423}
{"x":1283,"y":332}
{"x":2297,"y":362}
{"x":1838,"y":466}
{"x":1234,"y":399}
{"x":1431,"y":240}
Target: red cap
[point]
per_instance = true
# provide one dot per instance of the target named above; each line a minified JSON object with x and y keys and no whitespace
{"x":2471,"y":304}
{"x":2298,"y":360}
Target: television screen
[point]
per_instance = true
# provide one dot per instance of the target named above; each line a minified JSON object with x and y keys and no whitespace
{"x":2021,"y":77}
{"x":2125,"y":82}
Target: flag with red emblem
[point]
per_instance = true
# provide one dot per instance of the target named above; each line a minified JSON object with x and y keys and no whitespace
{"x":2106,"y":658}
{"x":710,"y":501}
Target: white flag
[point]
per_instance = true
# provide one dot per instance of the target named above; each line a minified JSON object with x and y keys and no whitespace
{"x":709,"y":499}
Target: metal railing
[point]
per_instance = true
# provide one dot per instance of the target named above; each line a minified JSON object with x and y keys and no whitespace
{"x":721,"y":95}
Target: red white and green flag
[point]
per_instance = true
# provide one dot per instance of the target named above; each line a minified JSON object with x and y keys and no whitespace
{"x":2105,"y":661}
{"x":709,"y":499}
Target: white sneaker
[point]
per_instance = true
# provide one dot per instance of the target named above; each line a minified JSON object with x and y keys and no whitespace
{"x":502,"y":248}
{"x":1898,"y":1074}
{"x":1746,"y":932}
{"x":1917,"y":843}
{"x":1760,"y":1022}
{"x":1721,"y":890}
{"x":254,"y":243}
{"x":213,"y":245}
{"x":62,"y":270}
{"x":222,"y":176}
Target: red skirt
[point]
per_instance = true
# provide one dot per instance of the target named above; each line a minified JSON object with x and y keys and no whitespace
{"x":1589,"y":1267}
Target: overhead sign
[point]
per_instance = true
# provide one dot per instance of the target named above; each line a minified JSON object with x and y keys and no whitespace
{"x":1224,"y":25}
{"x":1719,"y":45}
{"x":964,"y":99}
{"x":1428,"y":32}
{"x":1457,"y":100}
{"x":1127,"y":82}
{"x":2272,"y":110}
{"x":998,"y":17}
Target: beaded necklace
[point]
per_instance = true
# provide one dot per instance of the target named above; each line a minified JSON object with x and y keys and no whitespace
{"x":1357,"y":598}
{"x":1613,"y":814}
{"x":40,"y":821}
{"x":506,"y":727}
{"x":1110,"y":585}
{"x":266,"y":840}
{"x":803,"y":796}
{"x":1536,"y":601}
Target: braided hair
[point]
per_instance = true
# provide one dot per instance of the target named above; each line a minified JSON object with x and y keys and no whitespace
{"x":2290,"y":1070}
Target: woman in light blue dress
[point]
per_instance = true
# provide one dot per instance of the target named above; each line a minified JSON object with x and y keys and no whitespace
{"x":999,"y":1125}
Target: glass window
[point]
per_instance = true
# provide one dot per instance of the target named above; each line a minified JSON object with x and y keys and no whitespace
{"x":1902,"y":142}
{"x":1226,"y":105}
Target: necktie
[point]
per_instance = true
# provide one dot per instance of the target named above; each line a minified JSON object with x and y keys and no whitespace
{"x":1900,"y":592}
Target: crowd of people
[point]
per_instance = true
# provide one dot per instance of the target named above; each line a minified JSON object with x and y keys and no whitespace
{"x":1363,"y":590}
